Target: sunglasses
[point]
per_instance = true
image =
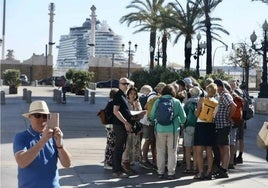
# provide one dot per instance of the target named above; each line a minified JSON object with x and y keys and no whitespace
{"x":37,"y":116}
{"x":125,"y":84}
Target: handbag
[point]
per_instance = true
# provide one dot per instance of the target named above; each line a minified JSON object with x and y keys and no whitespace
{"x":262,"y":137}
{"x":102,"y":116}
{"x":136,"y":127}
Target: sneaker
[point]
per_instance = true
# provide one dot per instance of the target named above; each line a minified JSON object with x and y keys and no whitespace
{"x":221,"y":174}
{"x":231,"y":166}
{"x":234,"y":160}
{"x":239,"y":160}
{"x":130,"y":172}
{"x":208,"y":176}
{"x":146,"y":165}
{"x":171,"y":177}
{"x":120,"y":175}
{"x":107,"y":167}
{"x":160,"y":176}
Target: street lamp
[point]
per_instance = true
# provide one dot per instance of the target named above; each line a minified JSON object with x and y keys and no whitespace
{"x":214,"y":54}
{"x":200,"y":50}
{"x":158,"y":51}
{"x":129,"y":55}
{"x":264,"y":45}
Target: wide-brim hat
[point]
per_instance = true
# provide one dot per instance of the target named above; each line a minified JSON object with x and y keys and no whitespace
{"x":37,"y":107}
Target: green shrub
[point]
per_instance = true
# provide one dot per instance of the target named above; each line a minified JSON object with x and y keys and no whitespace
{"x":12,"y":77}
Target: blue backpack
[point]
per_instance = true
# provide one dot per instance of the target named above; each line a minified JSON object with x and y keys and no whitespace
{"x":165,"y":111}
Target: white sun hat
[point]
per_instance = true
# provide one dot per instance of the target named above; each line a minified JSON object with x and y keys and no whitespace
{"x":37,"y":107}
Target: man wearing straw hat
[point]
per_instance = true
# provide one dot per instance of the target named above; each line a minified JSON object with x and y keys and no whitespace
{"x":38,"y":149}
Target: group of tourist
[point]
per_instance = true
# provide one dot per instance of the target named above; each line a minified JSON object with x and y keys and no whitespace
{"x":207,"y":119}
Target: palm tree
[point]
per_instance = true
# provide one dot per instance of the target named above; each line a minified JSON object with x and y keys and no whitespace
{"x":164,"y":26}
{"x":145,"y":17}
{"x":207,"y":6}
{"x":264,"y":1}
{"x":185,"y":22}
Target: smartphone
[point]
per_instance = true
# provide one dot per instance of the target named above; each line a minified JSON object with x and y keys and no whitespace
{"x":53,"y":120}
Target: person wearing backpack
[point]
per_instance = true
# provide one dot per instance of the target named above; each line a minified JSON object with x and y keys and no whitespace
{"x":189,"y":128}
{"x":238,"y":126}
{"x":168,"y":114}
{"x":205,"y":131}
{"x":108,"y":160}
{"x":148,"y":131}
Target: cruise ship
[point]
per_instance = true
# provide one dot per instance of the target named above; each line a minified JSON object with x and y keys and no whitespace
{"x":74,"y":48}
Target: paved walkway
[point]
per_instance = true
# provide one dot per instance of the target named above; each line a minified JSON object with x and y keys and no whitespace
{"x":85,"y":138}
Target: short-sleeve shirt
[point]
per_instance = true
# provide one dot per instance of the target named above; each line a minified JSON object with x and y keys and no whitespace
{"x":121,"y":101}
{"x":42,"y":172}
{"x":222,"y":115}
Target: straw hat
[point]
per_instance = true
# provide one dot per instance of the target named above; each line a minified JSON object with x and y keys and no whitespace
{"x":37,"y":107}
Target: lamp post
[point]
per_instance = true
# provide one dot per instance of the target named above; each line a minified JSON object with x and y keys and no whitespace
{"x":214,"y":54}
{"x":158,"y":51}
{"x":129,"y":55}
{"x":200,"y":50}
{"x":112,"y":73}
{"x":264,"y":85}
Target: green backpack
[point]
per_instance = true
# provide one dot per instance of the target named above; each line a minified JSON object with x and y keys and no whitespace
{"x":190,"y":116}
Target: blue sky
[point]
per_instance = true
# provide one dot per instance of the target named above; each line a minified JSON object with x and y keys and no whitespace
{"x":27,"y":26}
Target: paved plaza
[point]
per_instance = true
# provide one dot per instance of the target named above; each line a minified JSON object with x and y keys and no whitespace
{"x":85,"y":138}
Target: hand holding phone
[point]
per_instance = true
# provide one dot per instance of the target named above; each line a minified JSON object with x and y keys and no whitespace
{"x":53,"y":120}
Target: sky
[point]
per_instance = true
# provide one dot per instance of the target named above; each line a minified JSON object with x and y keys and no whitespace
{"x":27,"y":26}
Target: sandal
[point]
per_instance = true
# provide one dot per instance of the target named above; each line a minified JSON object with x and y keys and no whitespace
{"x":199,"y":176}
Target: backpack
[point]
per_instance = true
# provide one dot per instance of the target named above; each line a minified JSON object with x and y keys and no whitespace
{"x":143,"y":100}
{"x":165,"y":111}
{"x":237,"y":116}
{"x":248,"y":108}
{"x":190,"y":116}
{"x":106,"y":115}
{"x":207,"y":112}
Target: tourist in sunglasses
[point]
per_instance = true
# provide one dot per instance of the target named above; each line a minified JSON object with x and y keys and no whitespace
{"x":38,"y":149}
{"x":121,"y":126}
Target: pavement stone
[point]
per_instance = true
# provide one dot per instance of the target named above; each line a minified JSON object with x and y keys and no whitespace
{"x":85,"y":138}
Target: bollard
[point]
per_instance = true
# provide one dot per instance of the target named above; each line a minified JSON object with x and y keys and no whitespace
{"x":59,"y":96}
{"x":29,"y":96}
{"x":3,"y":97}
{"x":55,"y":95}
{"x":24,"y":94}
{"x":92,"y":97}
{"x":94,"y":86}
{"x":36,"y":83}
{"x":86,"y":95}
{"x":53,"y":83}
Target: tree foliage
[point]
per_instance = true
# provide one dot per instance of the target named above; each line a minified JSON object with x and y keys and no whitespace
{"x":12,"y":77}
{"x":264,"y":1}
{"x":145,"y":17}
